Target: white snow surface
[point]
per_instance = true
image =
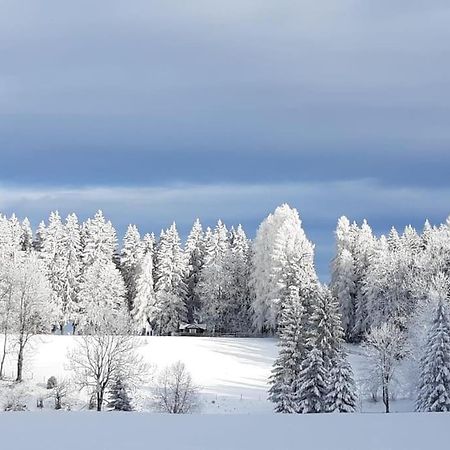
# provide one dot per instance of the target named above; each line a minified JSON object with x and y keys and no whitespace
{"x":232,"y":373}
{"x":129,"y":431}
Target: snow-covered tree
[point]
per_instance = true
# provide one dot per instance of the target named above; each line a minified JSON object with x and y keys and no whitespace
{"x":71,"y":270}
{"x":282,"y":257}
{"x":102,"y":298}
{"x":194,"y":252}
{"x":237,"y":265}
{"x":341,"y":395}
{"x":99,"y":360}
{"x":27,"y":236}
{"x":130,"y":257}
{"x":145,"y":301}
{"x":170,"y":288}
{"x":213,"y":284}
{"x":313,"y":384}
{"x":33,"y":309}
{"x":293,"y":347}
{"x":118,"y":397}
{"x":99,"y":240}
{"x":434,"y":386}
{"x":386,"y":347}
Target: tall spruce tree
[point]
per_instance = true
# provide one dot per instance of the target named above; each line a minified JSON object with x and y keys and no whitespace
{"x":130,"y":257}
{"x":284,"y":381}
{"x":144,"y":303}
{"x":341,"y":395}
{"x":194,"y":252}
{"x":434,"y":388}
{"x":170,"y":287}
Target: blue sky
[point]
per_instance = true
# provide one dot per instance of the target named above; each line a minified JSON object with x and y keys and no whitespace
{"x":166,"y":110}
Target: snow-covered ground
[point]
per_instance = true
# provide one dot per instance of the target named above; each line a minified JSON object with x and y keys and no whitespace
{"x":232,"y":372}
{"x":135,"y":431}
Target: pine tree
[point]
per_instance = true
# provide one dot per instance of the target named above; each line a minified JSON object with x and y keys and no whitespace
{"x":237,"y":267}
{"x":170,"y":287}
{"x":194,"y":251}
{"x":213,"y":284}
{"x":341,"y":395}
{"x":130,"y":257}
{"x":118,"y":397}
{"x":313,"y":387}
{"x":27,"y":236}
{"x":99,"y":240}
{"x":144,"y":302}
{"x":326,"y":327}
{"x":71,"y":274}
{"x":434,"y":389}
{"x":53,"y":255}
{"x":102,"y":299}
{"x":284,"y":380}
{"x":344,"y":289}
{"x":39,"y":237}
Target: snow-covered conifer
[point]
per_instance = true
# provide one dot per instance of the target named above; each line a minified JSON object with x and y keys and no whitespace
{"x":292,"y":345}
{"x":145,"y":302}
{"x":341,"y":395}
{"x":194,"y":251}
{"x":434,"y":386}
{"x":118,"y":397}
{"x":170,"y":287}
{"x":130,"y":257}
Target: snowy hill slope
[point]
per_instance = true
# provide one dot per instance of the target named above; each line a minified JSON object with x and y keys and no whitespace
{"x":231,"y":372}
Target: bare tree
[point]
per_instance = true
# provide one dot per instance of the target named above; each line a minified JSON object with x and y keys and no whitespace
{"x":33,"y":306}
{"x":6,"y":306}
{"x":59,"y":392}
{"x":386,"y":347}
{"x":176,"y":393}
{"x":100,"y":359}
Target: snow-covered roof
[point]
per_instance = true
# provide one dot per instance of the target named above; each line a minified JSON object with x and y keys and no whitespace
{"x":191,"y":326}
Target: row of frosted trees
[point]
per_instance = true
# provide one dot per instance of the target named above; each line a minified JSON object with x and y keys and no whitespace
{"x":151,"y":284}
{"x":67,"y":272}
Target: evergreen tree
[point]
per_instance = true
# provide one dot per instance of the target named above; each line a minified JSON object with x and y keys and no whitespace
{"x":341,"y":395}
{"x":71,"y":273}
{"x":102,"y":298}
{"x":213,"y":284}
{"x":434,"y":389}
{"x":144,"y":302}
{"x":130,"y":258}
{"x":27,"y":236}
{"x":118,"y":397}
{"x":284,"y":380}
{"x":39,"y":237}
{"x":237,"y":267}
{"x":99,"y":240}
{"x":313,"y":383}
{"x":53,"y":255}
{"x":194,"y":251}
{"x":344,"y":289}
{"x":170,"y":287}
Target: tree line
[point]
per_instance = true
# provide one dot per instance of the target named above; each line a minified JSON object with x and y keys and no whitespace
{"x":71,"y":272}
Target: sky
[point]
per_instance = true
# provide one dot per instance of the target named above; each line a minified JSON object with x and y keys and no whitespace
{"x":156,"y":111}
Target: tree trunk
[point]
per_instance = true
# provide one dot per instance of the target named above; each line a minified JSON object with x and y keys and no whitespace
{"x":386,"y":397}
{"x":20,"y":362}
{"x":5,"y":340}
{"x":99,"y":400}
